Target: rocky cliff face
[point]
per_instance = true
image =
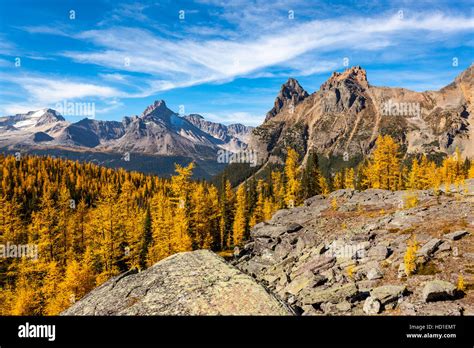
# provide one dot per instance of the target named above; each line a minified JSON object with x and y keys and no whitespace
{"x":344,"y":254}
{"x":191,"y":283}
{"x":347,"y":114}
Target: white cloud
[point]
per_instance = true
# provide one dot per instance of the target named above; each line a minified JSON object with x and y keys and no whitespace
{"x":282,"y":48}
{"x":51,"y":91}
{"x":6,"y":63}
{"x":110,"y":105}
{"x":6,"y":47}
{"x":47,"y":91}
{"x":45,"y":29}
{"x":243,"y":117}
{"x":19,"y":108}
{"x":178,"y":63}
{"x":114,"y":77}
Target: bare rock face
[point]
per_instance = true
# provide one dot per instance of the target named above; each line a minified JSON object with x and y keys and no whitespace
{"x":291,"y":93}
{"x":233,"y":137}
{"x":190,"y":283}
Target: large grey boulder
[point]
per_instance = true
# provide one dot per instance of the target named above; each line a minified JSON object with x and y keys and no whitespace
{"x":189,"y":283}
{"x":438,"y":290}
{"x":315,"y":264}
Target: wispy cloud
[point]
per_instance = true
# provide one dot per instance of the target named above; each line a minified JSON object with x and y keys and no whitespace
{"x":129,"y":54}
{"x":188,"y":62}
{"x":126,"y":11}
{"x":242,"y":117}
{"x":45,"y":29}
{"x":43,"y":91}
{"x":110,"y":105}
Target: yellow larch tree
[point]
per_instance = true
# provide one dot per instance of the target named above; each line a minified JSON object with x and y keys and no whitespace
{"x":240,"y":220}
{"x":323,"y":184}
{"x":349,"y":178}
{"x":383,"y":168}
{"x":181,"y":188}
{"x":258,"y":214}
{"x":292,"y":173}
{"x":470,"y":174}
{"x":338,"y":181}
{"x":199,"y":216}
{"x":162,"y":224}
{"x":227,"y":203}
{"x":278,"y":189}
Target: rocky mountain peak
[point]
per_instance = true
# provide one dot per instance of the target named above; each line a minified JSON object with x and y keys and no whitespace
{"x":355,"y":75}
{"x":157,"y":108}
{"x":291,"y":93}
{"x":49,"y":116}
{"x":466,"y":75}
{"x":196,"y":116}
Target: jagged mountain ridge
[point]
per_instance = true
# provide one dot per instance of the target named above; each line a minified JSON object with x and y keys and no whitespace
{"x":234,"y":136}
{"x":347,"y":114}
{"x":158,"y":131}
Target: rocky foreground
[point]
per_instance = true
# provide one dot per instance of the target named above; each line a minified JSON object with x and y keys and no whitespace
{"x":344,"y":254}
{"x":336,"y":255}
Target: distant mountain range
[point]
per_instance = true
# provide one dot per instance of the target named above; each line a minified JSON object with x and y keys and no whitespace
{"x":158,"y":132}
{"x":342,"y":119}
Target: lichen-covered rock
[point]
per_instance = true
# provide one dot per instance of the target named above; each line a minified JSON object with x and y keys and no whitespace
{"x":438,"y":290}
{"x":374,"y":273}
{"x":335,"y":294}
{"x":189,"y":283}
{"x":380,"y":252}
{"x":388,"y":293}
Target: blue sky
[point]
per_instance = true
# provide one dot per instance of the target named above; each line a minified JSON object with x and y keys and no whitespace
{"x":223,"y":59}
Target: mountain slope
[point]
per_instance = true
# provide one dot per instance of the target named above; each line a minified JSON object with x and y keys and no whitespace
{"x":160,"y":131}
